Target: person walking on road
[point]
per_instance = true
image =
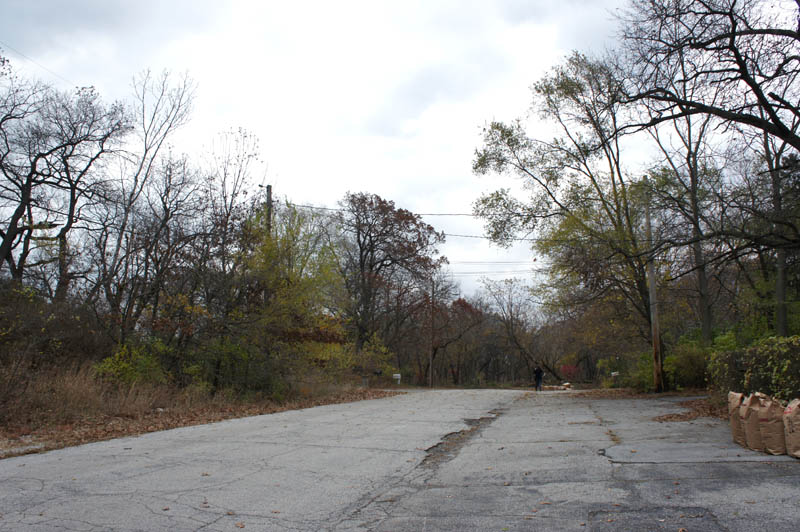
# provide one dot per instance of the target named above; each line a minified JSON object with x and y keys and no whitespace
{"x":538,"y":374}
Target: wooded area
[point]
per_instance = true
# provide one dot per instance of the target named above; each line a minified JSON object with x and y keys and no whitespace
{"x":154,"y":269}
{"x":150,"y":267}
{"x":710,"y":87}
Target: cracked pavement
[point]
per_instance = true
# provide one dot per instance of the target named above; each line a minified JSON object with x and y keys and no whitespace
{"x":426,"y":460}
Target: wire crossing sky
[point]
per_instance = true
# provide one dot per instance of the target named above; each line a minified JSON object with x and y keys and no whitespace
{"x":349,"y":96}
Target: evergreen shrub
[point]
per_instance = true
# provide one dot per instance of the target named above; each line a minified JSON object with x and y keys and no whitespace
{"x":770,"y":366}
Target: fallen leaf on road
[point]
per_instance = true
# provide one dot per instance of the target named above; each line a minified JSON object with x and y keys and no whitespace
{"x":165,"y":508}
{"x":633,"y":450}
{"x":205,"y":474}
{"x":545,"y":502}
{"x":276,"y":511}
{"x":229,"y":513}
{"x":239,"y":525}
{"x":506,"y":483}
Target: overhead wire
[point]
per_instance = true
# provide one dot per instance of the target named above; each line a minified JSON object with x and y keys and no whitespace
{"x":334,"y":209}
{"x":38,"y":64}
{"x":457,"y":235}
{"x":490,"y":262}
{"x":498,"y":272}
{"x":454,"y":235}
{"x":459,"y":274}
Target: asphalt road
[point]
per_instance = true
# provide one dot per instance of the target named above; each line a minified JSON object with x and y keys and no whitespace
{"x":441,"y":460}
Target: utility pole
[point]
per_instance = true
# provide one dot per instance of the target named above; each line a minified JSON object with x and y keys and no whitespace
{"x":430,"y":352}
{"x":658,"y":375}
{"x":269,"y":209}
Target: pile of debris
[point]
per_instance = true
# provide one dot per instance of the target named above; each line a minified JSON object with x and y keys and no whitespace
{"x":556,"y":388}
{"x":764,"y":423}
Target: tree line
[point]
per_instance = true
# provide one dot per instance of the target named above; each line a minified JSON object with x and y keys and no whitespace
{"x":156,"y":267}
{"x":707,"y":89}
{"x":116,"y":251}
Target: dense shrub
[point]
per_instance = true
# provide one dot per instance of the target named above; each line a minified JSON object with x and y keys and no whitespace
{"x":132,"y":364}
{"x":44,"y":333}
{"x":771,"y":366}
{"x":634,"y":371}
{"x":686,"y":366}
{"x":36,"y":335}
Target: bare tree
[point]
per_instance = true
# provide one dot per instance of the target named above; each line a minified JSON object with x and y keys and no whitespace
{"x":512,"y":302}
{"x":49,"y":144}
{"x":687,"y":188}
{"x":378,"y":242}
{"x":741,"y":55}
{"x":162,"y":105}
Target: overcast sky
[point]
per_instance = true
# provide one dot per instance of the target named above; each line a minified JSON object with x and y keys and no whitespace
{"x":375,"y":96}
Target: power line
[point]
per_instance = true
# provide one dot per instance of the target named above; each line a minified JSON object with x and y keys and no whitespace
{"x":59,"y":76}
{"x":480,"y":237}
{"x":490,"y":262}
{"x":315,"y":207}
{"x":456,"y":235}
{"x":448,"y":214}
{"x":476,"y":237}
{"x":490,"y":272}
{"x":339,"y":209}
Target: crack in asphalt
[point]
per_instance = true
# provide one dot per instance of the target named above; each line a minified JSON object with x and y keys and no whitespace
{"x":637,"y":506}
{"x":451,"y":443}
{"x":417,"y":479}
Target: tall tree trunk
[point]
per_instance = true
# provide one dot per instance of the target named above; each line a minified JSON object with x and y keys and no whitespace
{"x":64,"y":277}
{"x":703,"y":298}
{"x":774,"y":162}
{"x":781,"y":320}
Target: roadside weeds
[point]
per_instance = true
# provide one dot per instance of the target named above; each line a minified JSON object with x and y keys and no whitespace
{"x":20,"y":438}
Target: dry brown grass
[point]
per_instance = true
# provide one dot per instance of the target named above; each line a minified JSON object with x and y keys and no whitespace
{"x":62,"y":408}
{"x":56,"y":396}
{"x":704,"y":407}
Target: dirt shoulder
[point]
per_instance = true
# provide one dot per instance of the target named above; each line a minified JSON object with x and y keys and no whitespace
{"x":706,"y":406}
{"x":19,"y":439}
